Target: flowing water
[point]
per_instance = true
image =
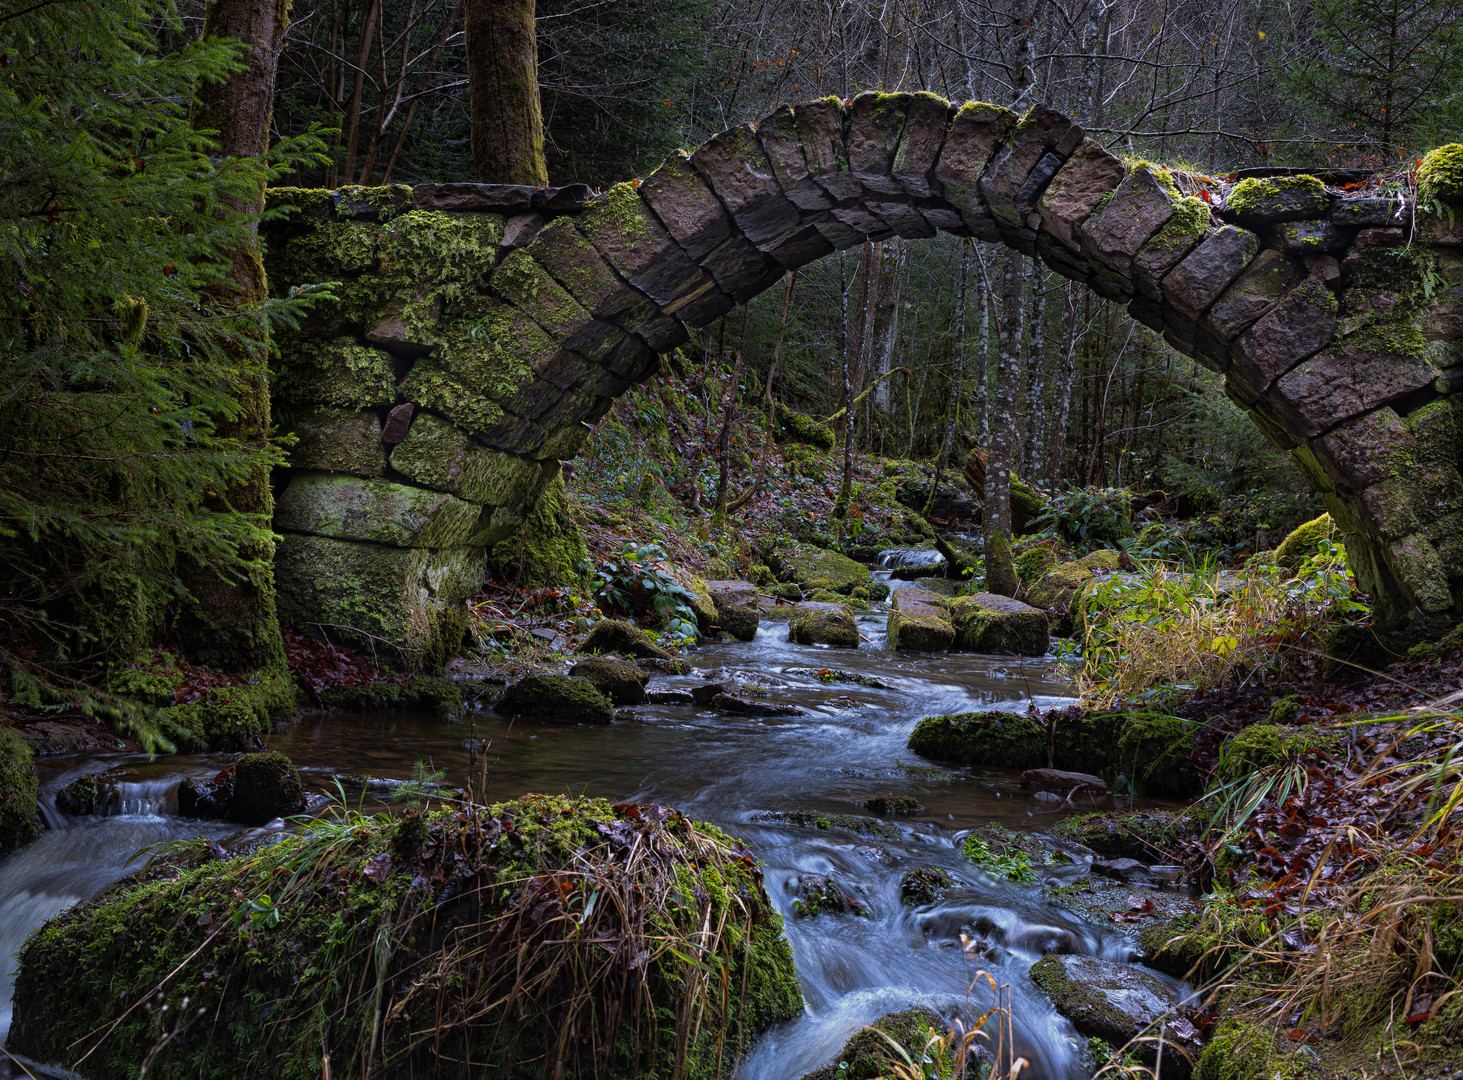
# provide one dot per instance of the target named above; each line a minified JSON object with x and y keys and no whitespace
{"x":848,"y":746}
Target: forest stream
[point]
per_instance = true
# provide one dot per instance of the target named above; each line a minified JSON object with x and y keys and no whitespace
{"x":848,"y":746}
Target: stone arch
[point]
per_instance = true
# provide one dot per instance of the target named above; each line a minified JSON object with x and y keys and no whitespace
{"x":482,"y":328}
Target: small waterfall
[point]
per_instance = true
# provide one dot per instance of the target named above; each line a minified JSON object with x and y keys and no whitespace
{"x":143,"y":798}
{"x":909,"y":558}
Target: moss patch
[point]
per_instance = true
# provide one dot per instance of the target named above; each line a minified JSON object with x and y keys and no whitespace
{"x":816,"y":568}
{"x":418,"y":912}
{"x":18,"y":821}
{"x":1001,"y":740}
{"x":558,"y":698}
{"x":1440,"y":176}
{"x":441,"y":697}
{"x":549,"y":550}
{"x":615,"y":636}
{"x":1303,"y":543}
{"x":869,"y":1054}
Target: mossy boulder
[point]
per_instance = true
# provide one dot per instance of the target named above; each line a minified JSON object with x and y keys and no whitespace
{"x":1261,"y":746}
{"x":1303,"y":543}
{"x":1440,"y":176}
{"x":617,"y":636}
{"x":556,"y":698}
{"x":1033,"y":564}
{"x":918,"y":621}
{"x":1263,"y":200}
{"x":232,"y":716}
{"x":924,"y":885}
{"x":622,"y":682}
{"x":549,"y":549}
{"x":1155,"y":751}
{"x":426,"y":693}
{"x":737,"y":611}
{"x":818,"y":568}
{"x":1063,"y":583}
{"x":1147,"y":835}
{"x":1243,"y":1050}
{"x":999,"y":740}
{"x":799,"y":428}
{"x":481,"y":925}
{"x":815,"y":623}
{"x":18,"y":821}
{"x":987,"y":623}
{"x":869,"y":1054}
{"x":83,"y":795}
{"x":266,"y":786}
{"x":1116,"y":1002}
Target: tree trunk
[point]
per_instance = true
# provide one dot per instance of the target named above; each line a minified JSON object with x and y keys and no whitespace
{"x":771,"y":405}
{"x":957,"y":383}
{"x":1062,"y":397}
{"x":1035,"y":408}
{"x":1000,"y":572}
{"x":230,"y":621}
{"x":502,"y":75}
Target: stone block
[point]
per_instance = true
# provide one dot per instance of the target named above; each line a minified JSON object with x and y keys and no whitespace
{"x":1309,"y":237}
{"x":918,"y":622}
{"x":1168,"y":246}
{"x":1064,"y":260}
{"x":705,"y":309}
{"x":625,"y":231}
{"x":1262,"y":285}
{"x":1364,"y":450}
{"x":875,"y":122}
{"x":401,"y":606}
{"x":1368,"y":213}
{"x":987,"y":623}
{"x":535,"y":399}
{"x":339,"y":373}
{"x":1116,"y":232}
{"x":840,"y":236}
{"x":1076,"y":190}
{"x":500,"y":198}
{"x":688,"y":209}
{"x":1416,"y":563}
{"x":778,"y":135}
{"x":925,"y":123}
{"x":566,"y":197}
{"x":1199,"y":279}
{"x":337,"y":440}
{"x":901,"y":216}
{"x":442,"y":457}
{"x":1039,"y":142}
{"x":741,"y":270}
{"x":398,"y":423}
{"x":737,"y":610}
{"x":815,"y":623}
{"x":532,"y":290}
{"x":1411,"y":502}
{"x":1298,"y":326}
{"x":1258,"y":201}
{"x":941,"y":215}
{"x":820,"y":130}
{"x":577,"y":265}
{"x":379,"y":511}
{"x":857,"y":216}
{"x":1210,"y":351}
{"x":1343,"y":381}
{"x":735,"y":166}
{"x":563,"y":444}
{"x":974,"y":135}
{"x":804,"y":246}
{"x":1147,"y":312}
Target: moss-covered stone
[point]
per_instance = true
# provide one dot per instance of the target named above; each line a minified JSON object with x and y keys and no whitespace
{"x":549,"y":550}
{"x":987,"y":623}
{"x":445,"y":458}
{"x":1061,"y":584}
{"x":276,"y":960}
{"x":1241,"y":1050}
{"x":737,"y":611}
{"x":1440,"y":176}
{"x":338,"y":440}
{"x":617,"y":636}
{"x":1156,"y":753}
{"x":813,"y":819}
{"x":401,"y":606}
{"x":19,"y":823}
{"x":870,"y":1054}
{"x":893,"y":804}
{"x":1000,"y":740}
{"x":1302,"y":543}
{"x":377,"y":511}
{"x":266,"y":786}
{"x":1033,"y":564}
{"x":623,"y":683}
{"x":230,"y":717}
{"x":801,"y":429}
{"x":82,"y":796}
{"x":1277,"y":198}
{"x":557,"y":698}
{"x":924,"y":885}
{"x":918,"y":621}
{"x":1262,"y":745}
{"x":817,"y":568}
{"x":1147,"y":835}
{"x":814,"y":623}
{"x":424,"y":693}
{"x":338,"y":374}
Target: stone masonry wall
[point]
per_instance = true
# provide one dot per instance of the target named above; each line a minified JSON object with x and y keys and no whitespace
{"x":480,"y":329}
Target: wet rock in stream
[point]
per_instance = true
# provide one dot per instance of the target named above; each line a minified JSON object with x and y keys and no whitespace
{"x":815,"y":623}
{"x":870,"y":1053}
{"x":824,"y":894}
{"x":1061,"y":781}
{"x":924,"y":885}
{"x":616,"y":636}
{"x":254,"y":790}
{"x":863,"y":826}
{"x":621,"y":682}
{"x":736,"y":607}
{"x":85,"y":795}
{"x":1117,"y":1003}
{"x":556,"y":698}
{"x":669,"y":697}
{"x":742,"y":707}
{"x":893,"y":804}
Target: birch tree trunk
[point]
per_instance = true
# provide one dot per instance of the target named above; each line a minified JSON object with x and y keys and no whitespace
{"x":999,"y":570}
{"x":1035,"y":404}
{"x":983,"y":358}
{"x":230,"y":621}
{"x":892,"y":258}
{"x":502,"y":75}
{"x":1062,"y":394}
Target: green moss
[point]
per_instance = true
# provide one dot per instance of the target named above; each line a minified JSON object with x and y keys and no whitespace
{"x":422,"y":693}
{"x":1241,"y":1050}
{"x":799,"y":428}
{"x":1061,"y":584}
{"x":823,"y":624}
{"x":1073,"y":998}
{"x":924,"y":885}
{"x":812,"y":819}
{"x":19,"y":822}
{"x":1440,"y":176}
{"x":549,"y":549}
{"x":266,"y":786}
{"x":230,"y":717}
{"x":1033,"y":564}
{"x":985,"y":623}
{"x":558,"y":698}
{"x":365,"y":947}
{"x":1189,"y":222}
{"x":1001,"y":740}
{"x":1256,"y":195}
{"x":623,"y":683}
{"x":1156,"y":753}
{"x":616,"y":636}
{"x":1285,"y":709}
{"x":1140,"y":834}
{"x":442,"y":457}
{"x":870,"y":1053}
{"x":79,"y":798}
{"x":1262,"y":745}
{"x":1008,"y":861}
{"x":817,"y":568}
{"x":1303,"y":542}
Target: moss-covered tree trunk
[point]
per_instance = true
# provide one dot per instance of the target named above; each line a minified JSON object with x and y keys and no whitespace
{"x":230,"y":618}
{"x":502,"y":75}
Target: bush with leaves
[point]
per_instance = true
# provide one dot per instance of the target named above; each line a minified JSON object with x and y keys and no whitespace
{"x":636,"y":582}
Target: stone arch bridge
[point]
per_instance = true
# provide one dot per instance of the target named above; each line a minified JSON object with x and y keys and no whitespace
{"x":481,"y":328}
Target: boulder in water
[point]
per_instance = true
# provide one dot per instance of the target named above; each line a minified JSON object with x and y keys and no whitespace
{"x":736,"y":607}
{"x":1061,"y":780}
{"x":1116,"y":1003}
{"x":1000,"y":740}
{"x":893,"y":804}
{"x":870,"y":1054}
{"x":477,"y":924}
{"x":84,"y":795}
{"x":266,"y":786}
{"x":729,"y":704}
{"x":918,"y":621}
{"x":823,"y":894}
{"x":621,"y":682}
{"x":817,"y":568}
{"x":556,"y":698}
{"x":814,"y":623}
{"x":924,"y":885}
{"x":616,"y":636}
{"x":18,"y":821}
{"x":987,"y":623}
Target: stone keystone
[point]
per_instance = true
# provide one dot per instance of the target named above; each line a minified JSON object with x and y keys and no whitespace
{"x":1089,"y":174}
{"x":874,"y":126}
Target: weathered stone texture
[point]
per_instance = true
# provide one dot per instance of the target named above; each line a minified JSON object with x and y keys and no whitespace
{"x":1199,"y":279}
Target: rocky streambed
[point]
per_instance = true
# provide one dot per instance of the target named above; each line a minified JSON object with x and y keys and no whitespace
{"x":896,"y":879}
